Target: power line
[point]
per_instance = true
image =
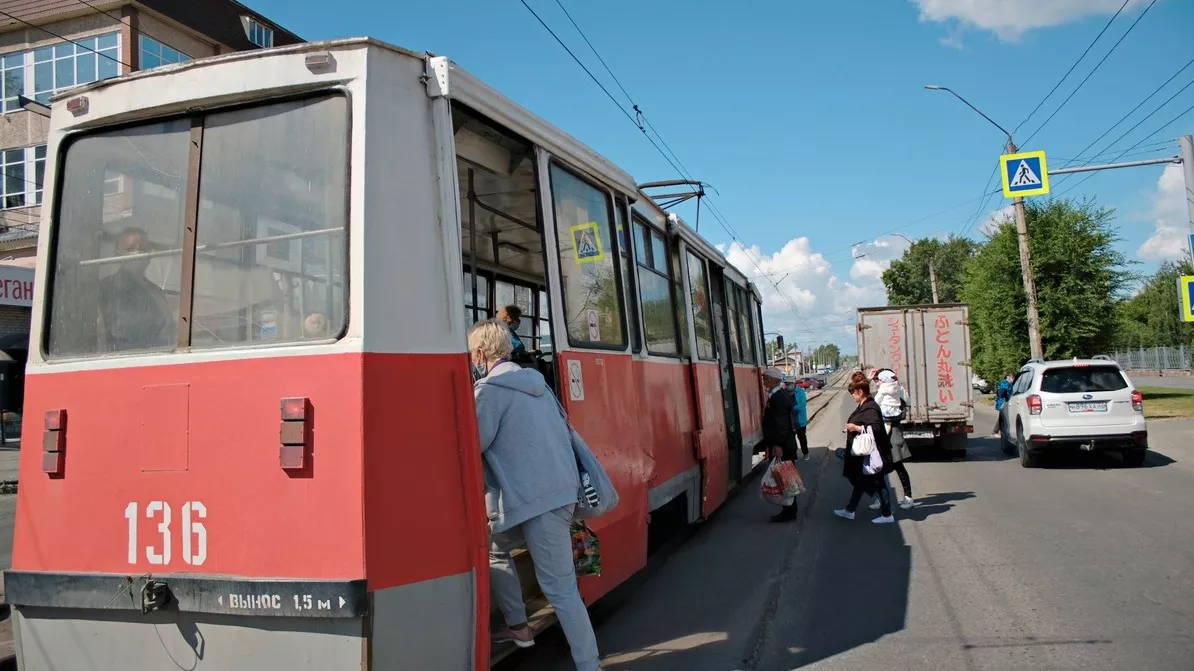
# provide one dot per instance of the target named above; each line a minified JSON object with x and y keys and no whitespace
{"x":1093,"y":70}
{"x":65,"y":39}
{"x":675,"y":164}
{"x":1156,"y":132}
{"x":1133,"y":110}
{"x":1071,"y":70}
{"x":121,"y":19}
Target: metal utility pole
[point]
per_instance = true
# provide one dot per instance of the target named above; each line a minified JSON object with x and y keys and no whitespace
{"x":1186,"y":142}
{"x":1034,"y":320}
{"x":933,"y":280}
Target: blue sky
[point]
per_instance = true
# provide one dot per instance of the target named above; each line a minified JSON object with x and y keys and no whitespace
{"x":811,"y":120}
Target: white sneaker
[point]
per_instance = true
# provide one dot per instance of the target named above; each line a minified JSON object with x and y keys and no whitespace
{"x":883,"y":520}
{"x":844,"y":514}
{"x":907,"y":503}
{"x":807,"y":456}
{"x":875,"y":505}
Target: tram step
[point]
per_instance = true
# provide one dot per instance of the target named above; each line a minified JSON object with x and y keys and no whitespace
{"x":542,"y":617}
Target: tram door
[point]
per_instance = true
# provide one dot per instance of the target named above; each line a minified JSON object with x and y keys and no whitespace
{"x":725,"y":366}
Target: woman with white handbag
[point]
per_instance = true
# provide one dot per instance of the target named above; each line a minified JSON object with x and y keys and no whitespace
{"x":868,"y":452}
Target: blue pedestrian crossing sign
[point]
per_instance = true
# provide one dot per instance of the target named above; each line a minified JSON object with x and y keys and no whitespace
{"x":1024,"y":174}
{"x":1185,"y":296}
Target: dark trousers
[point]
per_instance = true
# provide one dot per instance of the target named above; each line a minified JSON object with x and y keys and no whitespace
{"x":905,"y":481}
{"x":802,"y":438}
{"x":876,"y":489}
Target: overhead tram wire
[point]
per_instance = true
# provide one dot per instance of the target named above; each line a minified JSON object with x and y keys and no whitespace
{"x":64,"y":39}
{"x":1072,"y":67}
{"x":1106,"y":150}
{"x":598,"y":83}
{"x":119,"y":18}
{"x":995,"y":171}
{"x":1094,"y":69}
{"x":1156,"y":132}
{"x":674,"y":163}
{"x":1132,"y":111}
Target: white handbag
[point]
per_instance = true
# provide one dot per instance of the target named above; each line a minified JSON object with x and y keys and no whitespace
{"x":864,"y":443}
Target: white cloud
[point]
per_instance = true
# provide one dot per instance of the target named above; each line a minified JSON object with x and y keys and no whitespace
{"x":824,"y":303}
{"x":995,"y":219}
{"x":1168,"y":242}
{"x":1010,"y":19}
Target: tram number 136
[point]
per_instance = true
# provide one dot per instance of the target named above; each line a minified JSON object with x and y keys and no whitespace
{"x":157,"y":551}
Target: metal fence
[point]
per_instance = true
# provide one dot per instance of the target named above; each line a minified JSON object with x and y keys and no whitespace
{"x":1154,"y":358}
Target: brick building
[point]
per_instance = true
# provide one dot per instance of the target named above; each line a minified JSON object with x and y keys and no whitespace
{"x":50,"y":46}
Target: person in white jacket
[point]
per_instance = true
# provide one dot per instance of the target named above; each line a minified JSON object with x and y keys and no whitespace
{"x":893,"y":400}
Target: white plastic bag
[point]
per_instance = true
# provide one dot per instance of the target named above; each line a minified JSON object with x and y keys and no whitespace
{"x":773,"y":491}
{"x":874,"y":463}
{"x":864,"y":443}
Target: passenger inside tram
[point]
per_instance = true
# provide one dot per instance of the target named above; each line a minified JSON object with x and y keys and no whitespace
{"x":502,"y":234}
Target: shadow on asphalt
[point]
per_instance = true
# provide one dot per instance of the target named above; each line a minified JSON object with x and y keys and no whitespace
{"x":1074,"y":460}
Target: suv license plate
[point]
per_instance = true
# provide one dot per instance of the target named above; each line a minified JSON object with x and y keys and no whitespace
{"x":1098,"y":406}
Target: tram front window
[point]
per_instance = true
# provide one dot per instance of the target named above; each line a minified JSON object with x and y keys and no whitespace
{"x":270,"y":255}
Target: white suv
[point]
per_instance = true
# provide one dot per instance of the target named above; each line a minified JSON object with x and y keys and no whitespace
{"x":1086,"y":404}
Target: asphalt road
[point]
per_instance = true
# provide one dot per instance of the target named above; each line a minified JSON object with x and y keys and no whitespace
{"x":1082,"y":564}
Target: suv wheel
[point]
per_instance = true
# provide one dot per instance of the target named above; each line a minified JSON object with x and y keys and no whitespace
{"x":1134,"y":458}
{"x":1027,"y":460}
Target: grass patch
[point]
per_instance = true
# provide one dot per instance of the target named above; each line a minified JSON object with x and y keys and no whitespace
{"x":1161,"y":402}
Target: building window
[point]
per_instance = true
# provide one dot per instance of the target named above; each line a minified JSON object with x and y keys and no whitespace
{"x":43,"y":72}
{"x":155,"y":54}
{"x":14,"y":80}
{"x":24,"y":169}
{"x":70,"y":64}
{"x":259,"y":34}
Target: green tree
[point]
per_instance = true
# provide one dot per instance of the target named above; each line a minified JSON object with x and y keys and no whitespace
{"x":826,"y":355}
{"x":907,"y":279}
{"x":1150,"y":318}
{"x":1079,"y":277}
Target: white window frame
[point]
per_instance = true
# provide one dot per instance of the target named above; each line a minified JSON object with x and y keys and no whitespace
{"x":259,"y":33}
{"x":28,"y":67}
{"x":148,"y":45}
{"x":31,"y":190}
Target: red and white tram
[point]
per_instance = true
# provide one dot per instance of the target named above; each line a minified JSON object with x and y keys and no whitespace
{"x":259,"y":445}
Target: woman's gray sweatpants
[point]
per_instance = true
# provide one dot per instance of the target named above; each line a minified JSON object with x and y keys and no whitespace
{"x":549,"y":540}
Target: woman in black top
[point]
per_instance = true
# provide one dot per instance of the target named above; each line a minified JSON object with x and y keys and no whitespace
{"x":866,"y":415}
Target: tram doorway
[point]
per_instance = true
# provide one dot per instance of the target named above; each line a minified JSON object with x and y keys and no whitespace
{"x":502,"y":232}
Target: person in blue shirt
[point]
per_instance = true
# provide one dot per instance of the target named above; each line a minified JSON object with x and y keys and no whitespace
{"x":1002,"y":394}
{"x":800,"y":401}
{"x":511,"y":316}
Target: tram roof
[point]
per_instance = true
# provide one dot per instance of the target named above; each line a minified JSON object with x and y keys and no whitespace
{"x":469,"y":90}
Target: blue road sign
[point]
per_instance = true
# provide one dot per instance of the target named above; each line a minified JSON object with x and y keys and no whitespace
{"x":1024,"y":174}
{"x":1185,"y":296}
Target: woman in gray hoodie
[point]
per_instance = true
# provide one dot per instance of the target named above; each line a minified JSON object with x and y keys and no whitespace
{"x":531,"y":483}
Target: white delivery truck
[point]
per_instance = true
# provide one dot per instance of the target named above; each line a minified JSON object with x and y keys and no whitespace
{"x":928,"y":347}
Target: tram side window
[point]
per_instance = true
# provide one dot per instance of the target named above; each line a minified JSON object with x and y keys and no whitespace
{"x":678,"y":296}
{"x":627,"y":269}
{"x":746,"y":325}
{"x":117,"y":258}
{"x":699,"y":294}
{"x":588,"y":268}
{"x":271,"y":254}
{"x":654,"y":288}
{"x":732,"y":312}
{"x":475,"y":313}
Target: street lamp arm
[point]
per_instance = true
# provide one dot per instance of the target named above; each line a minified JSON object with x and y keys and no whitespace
{"x":967,"y":103}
